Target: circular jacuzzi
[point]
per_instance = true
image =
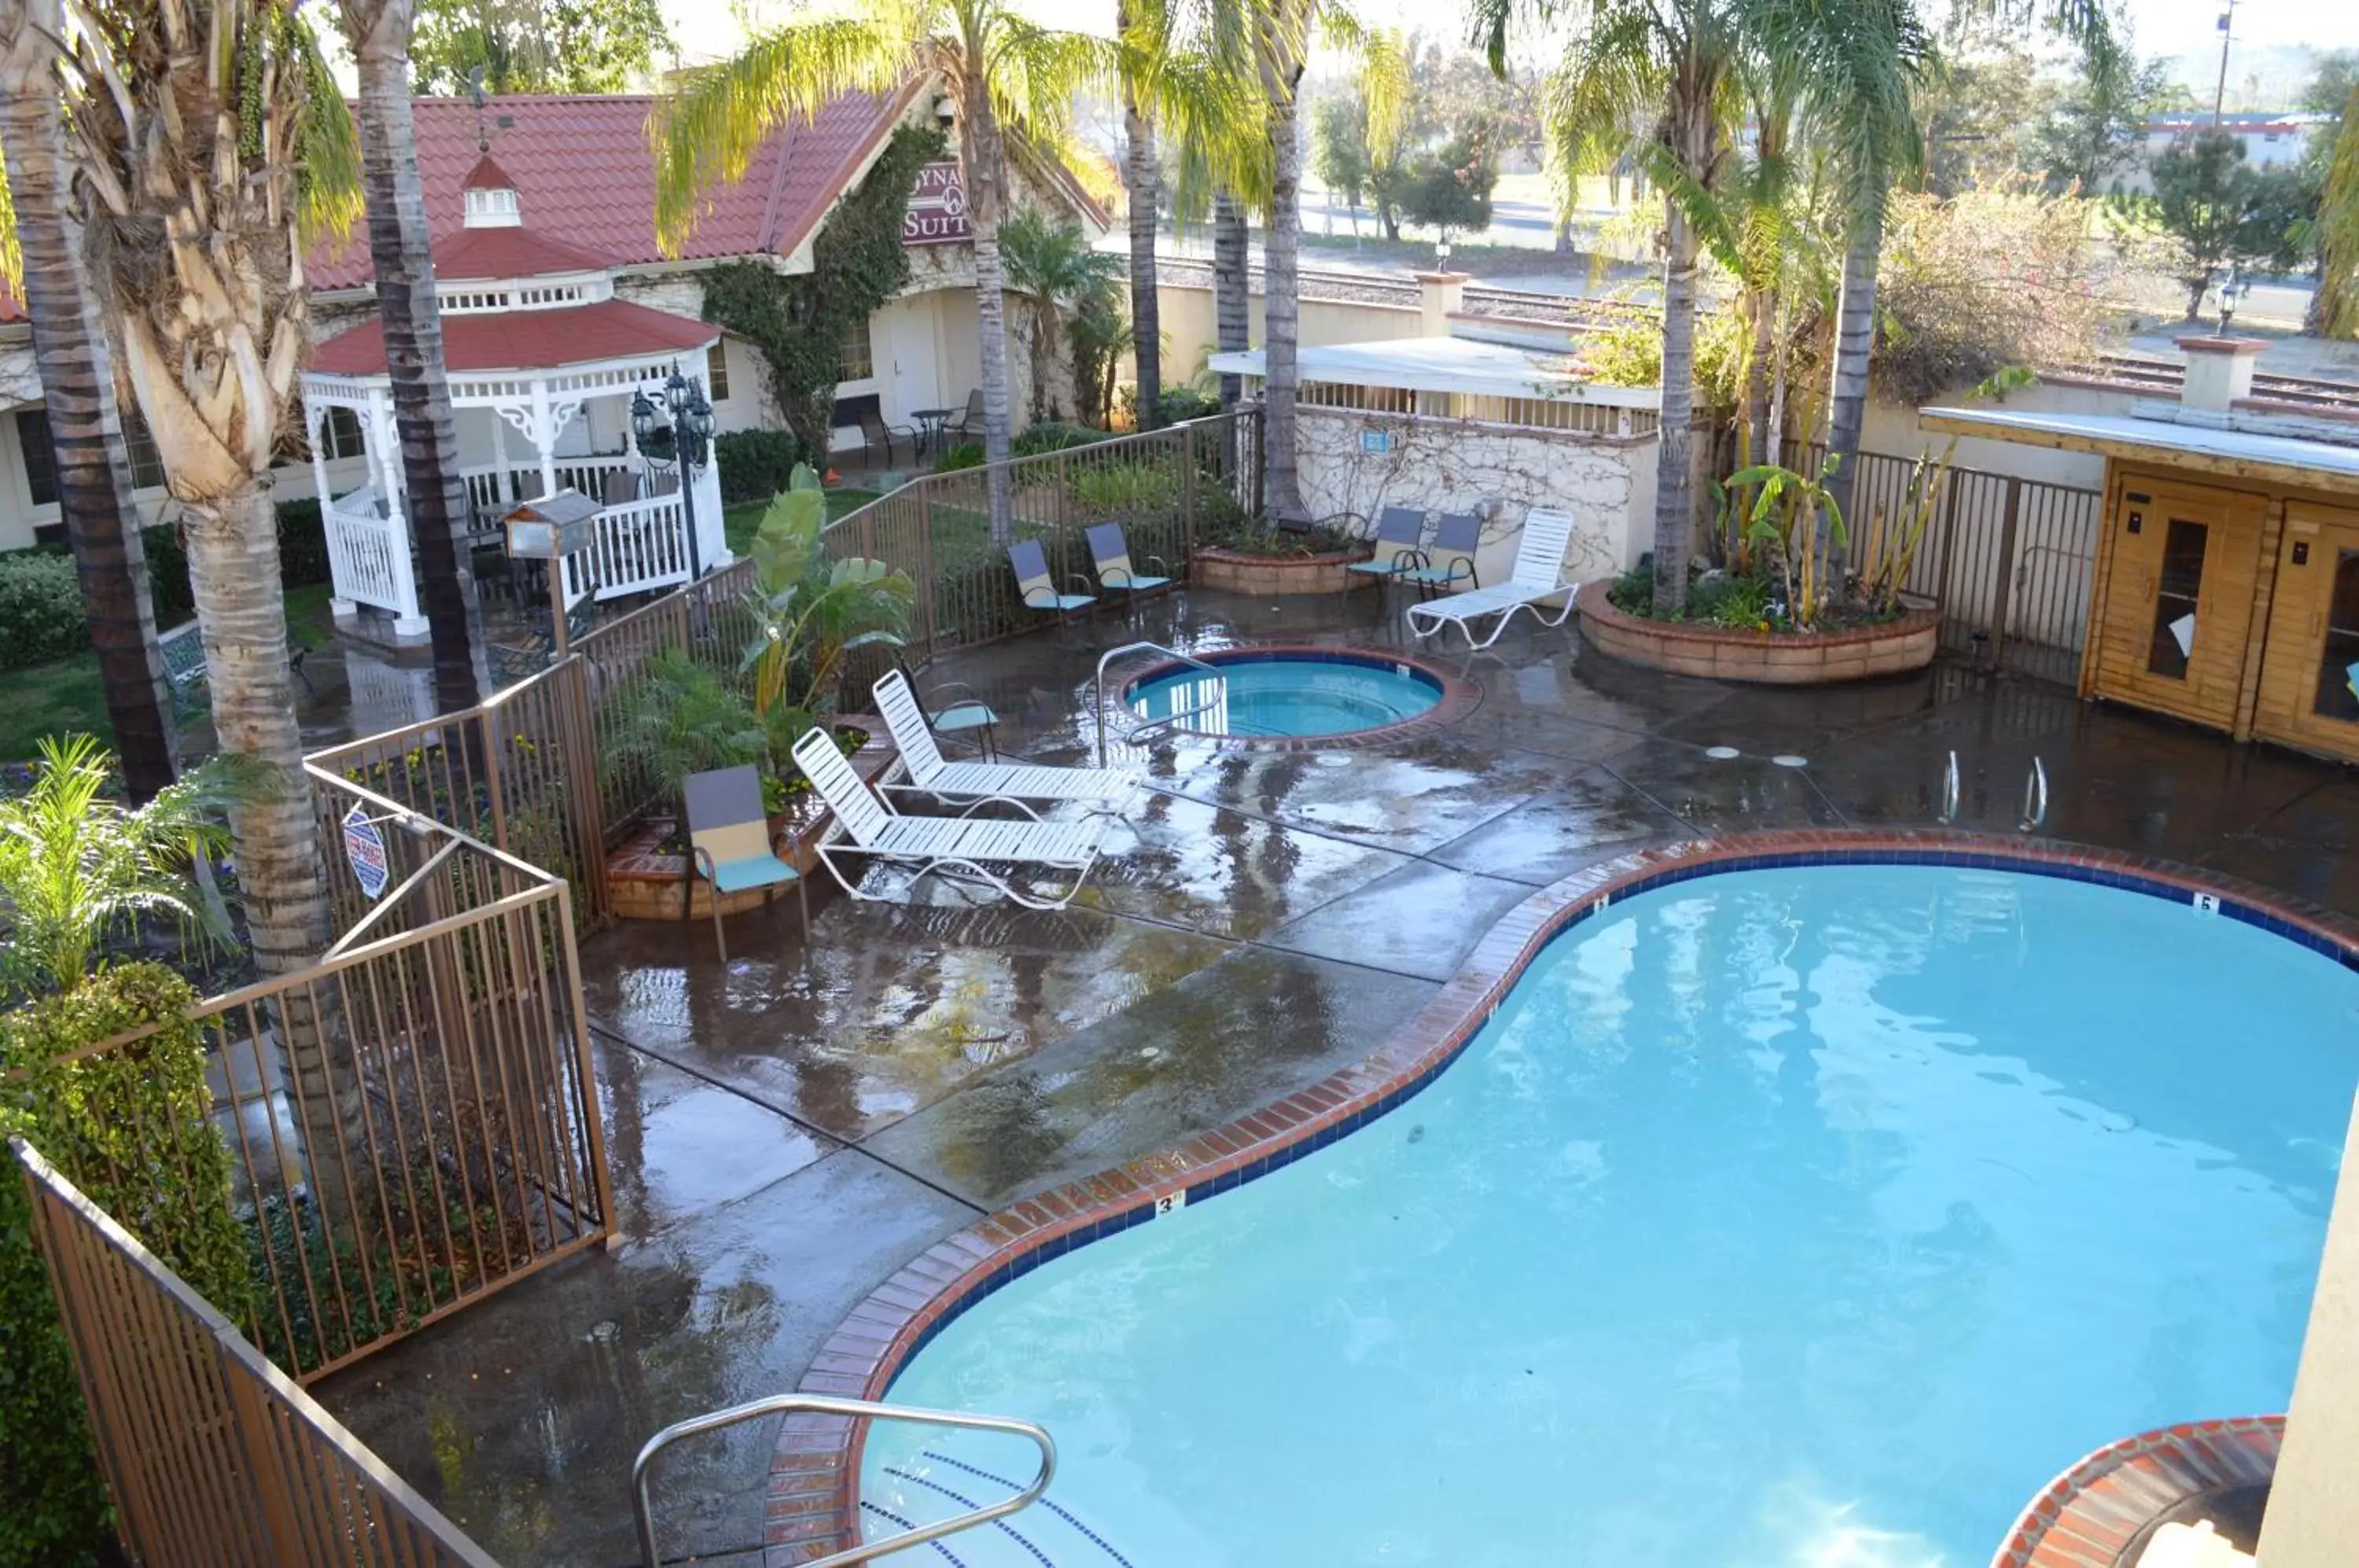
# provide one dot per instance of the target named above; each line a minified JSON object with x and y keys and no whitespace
{"x":1278,"y":694}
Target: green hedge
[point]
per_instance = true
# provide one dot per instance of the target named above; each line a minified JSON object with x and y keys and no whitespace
{"x":40,"y":608}
{"x":132,"y":1129}
{"x":302,"y":560}
{"x":1053,"y":435}
{"x":755,"y":465}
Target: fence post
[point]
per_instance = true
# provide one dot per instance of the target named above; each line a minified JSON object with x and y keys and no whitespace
{"x":486,"y":720}
{"x":2005,"y":587}
{"x":586,"y":801}
{"x":1187,"y":499}
{"x":1261,"y":435}
{"x":1949,"y":540}
{"x":928,"y":588}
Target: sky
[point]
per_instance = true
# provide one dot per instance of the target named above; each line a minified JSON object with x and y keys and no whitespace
{"x":709,"y":29}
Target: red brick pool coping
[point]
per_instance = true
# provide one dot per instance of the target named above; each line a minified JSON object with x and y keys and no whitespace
{"x":1460,"y":694}
{"x":2091,"y":1512}
{"x":812,"y":1502}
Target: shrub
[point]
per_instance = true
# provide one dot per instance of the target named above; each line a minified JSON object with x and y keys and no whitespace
{"x":40,"y":608}
{"x":966,"y":454}
{"x":755,"y":465}
{"x":1052,"y":435}
{"x":131,"y":1129}
{"x":1178,"y":403}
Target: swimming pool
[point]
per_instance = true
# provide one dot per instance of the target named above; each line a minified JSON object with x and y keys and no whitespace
{"x":1288,"y":693}
{"x":1796,"y":1216}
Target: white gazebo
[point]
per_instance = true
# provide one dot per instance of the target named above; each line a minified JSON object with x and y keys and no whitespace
{"x":543,"y":363}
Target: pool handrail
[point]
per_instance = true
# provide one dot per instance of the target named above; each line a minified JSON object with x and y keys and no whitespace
{"x":1097,"y":691}
{"x":827,"y":1405}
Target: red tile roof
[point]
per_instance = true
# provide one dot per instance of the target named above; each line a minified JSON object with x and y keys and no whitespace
{"x":487,"y":175}
{"x":582,"y":175}
{"x":526,"y":252}
{"x":528,"y":340}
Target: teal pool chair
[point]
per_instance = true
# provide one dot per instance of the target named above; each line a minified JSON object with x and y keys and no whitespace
{"x":729,"y":842}
{"x":1110,"y":553}
{"x":1399,"y":530}
{"x":1450,"y":561}
{"x":1037,"y":587}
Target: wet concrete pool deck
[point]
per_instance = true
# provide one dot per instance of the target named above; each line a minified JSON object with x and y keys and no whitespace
{"x":785,"y":1131}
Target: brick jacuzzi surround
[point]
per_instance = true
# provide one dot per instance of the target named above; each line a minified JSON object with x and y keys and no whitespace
{"x":812,"y":1505}
{"x":1460,"y":694}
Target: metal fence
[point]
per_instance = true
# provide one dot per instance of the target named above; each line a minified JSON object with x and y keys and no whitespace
{"x":214,"y":1458}
{"x":2008,"y":560}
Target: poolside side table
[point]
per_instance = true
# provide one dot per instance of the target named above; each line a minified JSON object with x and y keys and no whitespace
{"x":929,"y":425}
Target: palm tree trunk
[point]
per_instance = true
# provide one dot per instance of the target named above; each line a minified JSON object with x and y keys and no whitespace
{"x":1232,"y":289}
{"x":399,"y":251}
{"x":69,"y":346}
{"x":981,"y":153}
{"x":1855,"y":346}
{"x":1756,"y":377}
{"x":1145,"y":196}
{"x":1282,"y":306}
{"x":1675,"y":448}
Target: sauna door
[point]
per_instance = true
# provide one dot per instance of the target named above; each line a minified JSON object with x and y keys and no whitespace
{"x":2179,"y":599}
{"x":2307,"y":694}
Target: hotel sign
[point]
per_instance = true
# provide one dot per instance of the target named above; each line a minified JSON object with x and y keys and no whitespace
{"x":937,"y":213}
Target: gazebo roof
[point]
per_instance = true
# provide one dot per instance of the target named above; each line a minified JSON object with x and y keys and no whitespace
{"x":475,"y":255}
{"x":528,"y":340}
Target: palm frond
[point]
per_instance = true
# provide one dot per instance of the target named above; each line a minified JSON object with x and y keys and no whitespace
{"x":328,"y":143}
{"x":12,"y":256}
{"x":707,"y":132}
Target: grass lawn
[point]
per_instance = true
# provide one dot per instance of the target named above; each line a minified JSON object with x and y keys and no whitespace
{"x":738,"y":522}
{"x":66,"y":695}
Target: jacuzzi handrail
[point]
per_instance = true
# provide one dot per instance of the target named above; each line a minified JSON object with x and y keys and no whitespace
{"x":827,"y":1405}
{"x":1097,"y":691}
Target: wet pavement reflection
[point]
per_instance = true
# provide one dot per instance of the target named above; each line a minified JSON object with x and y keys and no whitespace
{"x":786,"y":1129}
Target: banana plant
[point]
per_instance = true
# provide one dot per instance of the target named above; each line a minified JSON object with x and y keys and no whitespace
{"x":811,"y":612}
{"x":1784,"y":520}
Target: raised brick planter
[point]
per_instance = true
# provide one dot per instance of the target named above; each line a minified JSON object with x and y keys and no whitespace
{"x":1277,"y":576}
{"x":1770,"y":659}
{"x":644,"y":883}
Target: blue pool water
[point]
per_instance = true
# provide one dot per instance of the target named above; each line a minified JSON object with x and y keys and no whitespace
{"x":1289,"y":695}
{"x":1781,"y":1217}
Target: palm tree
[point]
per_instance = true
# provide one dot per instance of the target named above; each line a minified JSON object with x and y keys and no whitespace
{"x":1672,"y":69}
{"x":1012,"y":79}
{"x":69,"y":346}
{"x":206,"y":174}
{"x":1146,"y":183}
{"x":1054,"y":267}
{"x":1232,"y":288}
{"x":2338,"y":278}
{"x":377,"y":32}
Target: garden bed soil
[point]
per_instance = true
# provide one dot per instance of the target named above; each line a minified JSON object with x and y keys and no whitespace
{"x":1770,"y":659}
{"x":1279,"y":576}
{"x":645,"y":881}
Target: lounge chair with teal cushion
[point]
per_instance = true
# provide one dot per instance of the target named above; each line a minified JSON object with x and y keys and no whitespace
{"x":1400,"y":530}
{"x":1110,"y":553}
{"x":729,"y":842}
{"x":1036,"y":586}
{"x":1450,"y":559}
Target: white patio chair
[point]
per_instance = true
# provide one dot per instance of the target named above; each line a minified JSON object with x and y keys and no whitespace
{"x":1539,"y":565}
{"x":967,"y":846}
{"x":1106,"y":789}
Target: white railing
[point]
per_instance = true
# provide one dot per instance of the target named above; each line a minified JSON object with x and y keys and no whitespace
{"x":639,"y":545}
{"x":368,"y":555}
{"x":493,"y":488}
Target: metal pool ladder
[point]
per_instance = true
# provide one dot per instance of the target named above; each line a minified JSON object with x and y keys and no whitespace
{"x":824,"y":1405}
{"x":1097,"y":707}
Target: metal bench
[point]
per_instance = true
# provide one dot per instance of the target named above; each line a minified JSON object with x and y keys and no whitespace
{"x":183,"y":651}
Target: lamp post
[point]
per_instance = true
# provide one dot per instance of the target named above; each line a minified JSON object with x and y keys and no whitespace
{"x":678,"y":432}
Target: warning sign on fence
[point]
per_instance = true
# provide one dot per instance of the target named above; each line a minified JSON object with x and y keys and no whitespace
{"x":365,"y":847}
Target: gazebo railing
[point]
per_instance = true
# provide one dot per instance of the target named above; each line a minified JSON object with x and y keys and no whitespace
{"x":639,"y":545}
{"x":368,"y":555}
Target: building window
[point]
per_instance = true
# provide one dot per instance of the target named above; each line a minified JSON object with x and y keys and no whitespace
{"x":858,"y":359}
{"x":716,"y":371}
{"x":41,"y":461}
{"x":339,"y":435}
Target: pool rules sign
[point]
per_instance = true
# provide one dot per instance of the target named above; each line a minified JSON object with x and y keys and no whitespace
{"x":365,"y":847}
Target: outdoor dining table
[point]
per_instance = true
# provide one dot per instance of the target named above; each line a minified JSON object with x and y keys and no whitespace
{"x":929,"y":425}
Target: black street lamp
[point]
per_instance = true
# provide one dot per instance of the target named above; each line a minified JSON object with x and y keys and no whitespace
{"x":679,"y":433}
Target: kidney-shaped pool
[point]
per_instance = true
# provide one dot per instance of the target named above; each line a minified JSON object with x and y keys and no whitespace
{"x":1779,"y":1218}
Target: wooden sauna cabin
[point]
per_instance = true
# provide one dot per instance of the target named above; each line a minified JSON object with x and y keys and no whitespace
{"x":2226,"y":587}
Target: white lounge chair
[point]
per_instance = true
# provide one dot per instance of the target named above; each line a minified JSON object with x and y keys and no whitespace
{"x":966,"y":846}
{"x":1109,"y":789}
{"x":1539,"y":564}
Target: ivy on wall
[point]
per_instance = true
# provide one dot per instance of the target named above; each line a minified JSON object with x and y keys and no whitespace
{"x":858,"y":263}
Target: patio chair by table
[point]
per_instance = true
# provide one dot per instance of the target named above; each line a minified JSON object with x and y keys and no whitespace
{"x":1398,"y":532}
{"x":1038,"y":588}
{"x":1456,"y":536}
{"x":968,"y":425}
{"x":1110,"y":553}
{"x":1107,"y":788}
{"x":874,"y":432}
{"x":729,"y":842}
{"x":956,"y":846}
{"x":1539,"y":565}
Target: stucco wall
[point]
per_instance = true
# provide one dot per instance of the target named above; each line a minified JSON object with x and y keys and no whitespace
{"x":1894,"y":428}
{"x":1457,"y":465}
{"x":1189,"y":332}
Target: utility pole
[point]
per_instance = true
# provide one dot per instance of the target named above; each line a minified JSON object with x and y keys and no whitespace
{"x":2219,"y":93}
